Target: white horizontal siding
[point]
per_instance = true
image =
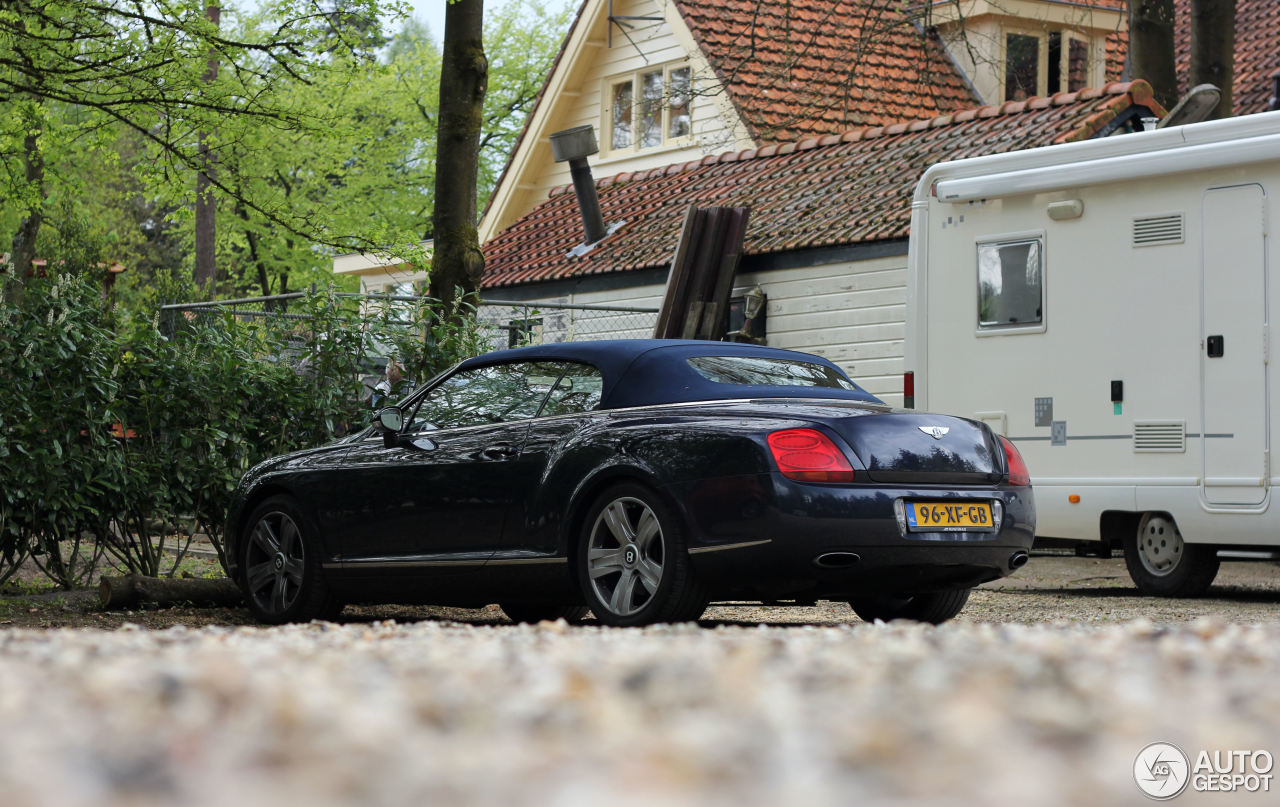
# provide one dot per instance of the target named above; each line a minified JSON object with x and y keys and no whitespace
{"x":851,"y":313}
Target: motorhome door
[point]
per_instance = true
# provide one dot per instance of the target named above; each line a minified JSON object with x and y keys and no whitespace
{"x":1232,"y":348}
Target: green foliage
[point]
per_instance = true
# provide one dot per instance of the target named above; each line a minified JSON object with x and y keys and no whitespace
{"x":61,"y":468}
{"x":521,"y":41}
{"x":427,"y":339}
{"x":323,"y":129}
{"x":118,"y":439}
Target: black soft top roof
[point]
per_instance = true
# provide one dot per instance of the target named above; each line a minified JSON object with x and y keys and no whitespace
{"x":643,"y":372}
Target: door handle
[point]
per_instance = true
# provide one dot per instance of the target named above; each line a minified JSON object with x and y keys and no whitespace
{"x":500,"y":451}
{"x":1215,"y":346}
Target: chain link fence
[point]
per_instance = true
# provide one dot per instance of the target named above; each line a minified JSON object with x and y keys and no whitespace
{"x":509,"y":323}
{"x":525,"y":323}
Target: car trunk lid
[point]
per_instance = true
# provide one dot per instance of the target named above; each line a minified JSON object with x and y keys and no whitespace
{"x":920,"y":448}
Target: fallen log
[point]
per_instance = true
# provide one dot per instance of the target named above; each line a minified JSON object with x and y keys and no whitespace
{"x":130,"y":590}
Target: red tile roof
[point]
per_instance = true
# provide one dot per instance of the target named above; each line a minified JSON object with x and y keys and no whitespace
{"x":1257,"y":51}
{"x":821,"y":191}
{"x":802,"y":67}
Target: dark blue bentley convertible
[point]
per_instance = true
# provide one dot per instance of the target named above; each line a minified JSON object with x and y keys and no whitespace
{"x":640,"y":480}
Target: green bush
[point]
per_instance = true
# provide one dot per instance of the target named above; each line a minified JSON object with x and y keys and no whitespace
{"x":191,"y":413}
{"x":61,"y":468}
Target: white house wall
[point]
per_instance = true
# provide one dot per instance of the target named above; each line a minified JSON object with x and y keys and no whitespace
{"x":851,"y":313}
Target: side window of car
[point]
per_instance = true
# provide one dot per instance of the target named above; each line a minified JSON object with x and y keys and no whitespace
{"x":495,"y":394}
{"x":578,"y":390}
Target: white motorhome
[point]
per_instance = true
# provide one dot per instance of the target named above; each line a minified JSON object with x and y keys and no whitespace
{"x":1107,"y":306}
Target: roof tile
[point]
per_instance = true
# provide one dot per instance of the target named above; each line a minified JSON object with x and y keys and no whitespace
{"x":789,"y":74}
{"x":844,"y":190}
{"x":1257,"y":52}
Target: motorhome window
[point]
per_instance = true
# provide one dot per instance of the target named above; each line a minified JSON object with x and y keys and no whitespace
{"x":1010,"y":284}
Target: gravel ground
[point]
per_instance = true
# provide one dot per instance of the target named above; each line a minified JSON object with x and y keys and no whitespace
{"x":1042,"y":693}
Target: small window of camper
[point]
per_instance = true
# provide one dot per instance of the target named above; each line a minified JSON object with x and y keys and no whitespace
{"x":1011,"y":285}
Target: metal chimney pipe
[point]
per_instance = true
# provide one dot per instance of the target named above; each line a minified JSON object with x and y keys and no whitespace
{"x":574,"y":146}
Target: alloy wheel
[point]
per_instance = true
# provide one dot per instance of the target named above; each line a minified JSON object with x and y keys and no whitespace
{"x":275,"y":562}
{"x":625,"y":555}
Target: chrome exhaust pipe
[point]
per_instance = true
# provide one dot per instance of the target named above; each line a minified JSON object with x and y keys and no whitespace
{"x":1018,"y":559}
{"x":836,"y":560}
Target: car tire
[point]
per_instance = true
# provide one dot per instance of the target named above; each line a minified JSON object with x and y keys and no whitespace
{"x":1163,"y":565}
{"x":934,"y":607}
{"x":529,"y":613}
{"x":633,"y":563}
{"x":280,"y":556}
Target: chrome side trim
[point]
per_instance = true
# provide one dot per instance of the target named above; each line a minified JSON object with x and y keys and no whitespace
{"x":379,"y":563}
{"x":415,"y":563}
{"x":702,"y":550}
{"x":528,"y":561}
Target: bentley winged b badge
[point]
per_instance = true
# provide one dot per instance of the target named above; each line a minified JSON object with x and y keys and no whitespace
{"x":936,"y":432}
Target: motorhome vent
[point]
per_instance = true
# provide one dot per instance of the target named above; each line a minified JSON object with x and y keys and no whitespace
{"x":1150,"y":231}
{"x":1168,"y":436}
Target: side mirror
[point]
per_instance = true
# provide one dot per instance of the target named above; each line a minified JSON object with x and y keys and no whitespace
{"x":389,"y":422}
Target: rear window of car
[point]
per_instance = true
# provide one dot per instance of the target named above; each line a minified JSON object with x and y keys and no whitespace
{"x":755,"y":371}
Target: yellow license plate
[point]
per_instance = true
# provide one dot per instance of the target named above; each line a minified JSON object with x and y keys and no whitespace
{"x":949,"y":516}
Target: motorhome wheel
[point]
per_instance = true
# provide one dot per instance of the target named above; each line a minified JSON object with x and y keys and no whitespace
{"x":1162,"y":563}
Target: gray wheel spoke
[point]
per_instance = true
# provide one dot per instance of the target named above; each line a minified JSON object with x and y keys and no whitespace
{"x":278,"y":597}
{"x":293,"y":571}
{"x":615,"y":515}
{"x":265,"y":538}
{"x":650,"y":575}
{"x":604,"y":561}
{"x":646,"y":530}
{"x":259,"y":576}
{"x":288,"y":534}
{"x":620,"y":602}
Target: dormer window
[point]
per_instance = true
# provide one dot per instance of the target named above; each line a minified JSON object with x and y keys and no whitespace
{"x":648,"y":109}
{"x":1044,"y":62}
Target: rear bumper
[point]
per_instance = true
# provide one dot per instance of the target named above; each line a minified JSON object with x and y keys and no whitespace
{"x":763,"y":536}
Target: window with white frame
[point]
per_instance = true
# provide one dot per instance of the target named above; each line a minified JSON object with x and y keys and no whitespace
{"x":649,"y":108}
{"x":1045,"y":62}
{"x":1011,"y":283}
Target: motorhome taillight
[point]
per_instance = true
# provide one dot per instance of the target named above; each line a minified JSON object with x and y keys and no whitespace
{"x":909,"y":389}
{"x":1018,"y":474}
{"x":808,"y":455}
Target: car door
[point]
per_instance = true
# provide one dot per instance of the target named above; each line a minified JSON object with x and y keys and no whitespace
{"x":530,"y":565}
{"x":533,"y":526}
{"x":440,"y":497}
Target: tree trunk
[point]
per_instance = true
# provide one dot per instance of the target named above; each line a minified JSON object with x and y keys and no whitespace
{"x":206,"y":206}
{"x":123,"y":592}
{"x":23,"y":254}
{"x":1213,"y":49}
{"x":1151,"y":48}
{"x":464,"y":76}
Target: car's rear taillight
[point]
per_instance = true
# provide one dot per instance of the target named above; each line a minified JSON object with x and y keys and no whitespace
{"x":808,"y":455}
{"x":909,"y":389}
{"x":1018,"y":474}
